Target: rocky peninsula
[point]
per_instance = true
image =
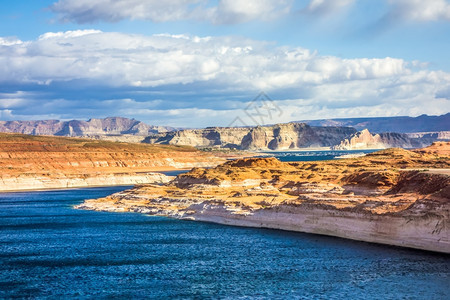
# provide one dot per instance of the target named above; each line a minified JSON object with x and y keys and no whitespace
{"x":43,"y":162}
{"x":394,"y":196}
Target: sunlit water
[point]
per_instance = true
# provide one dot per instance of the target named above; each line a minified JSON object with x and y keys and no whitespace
{"x":314,"y":155}
{"x":49,"y":249}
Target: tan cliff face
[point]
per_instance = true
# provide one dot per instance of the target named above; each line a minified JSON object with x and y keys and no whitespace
{"x":430,"y":136}
{"x":393,"y":196}
{"x":76,"y":128}
{"x":288,"y":136}
{"x":43,"y":161}
{"x":277,"y":137}
{"x":209,"y":137}
{"x":291,"y":136}
{"x":366,"y":140}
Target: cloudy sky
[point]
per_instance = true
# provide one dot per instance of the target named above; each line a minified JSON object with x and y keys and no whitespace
{"x":197,"y":63}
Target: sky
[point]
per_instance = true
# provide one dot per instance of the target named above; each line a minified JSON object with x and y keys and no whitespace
{"x":199,"y":63}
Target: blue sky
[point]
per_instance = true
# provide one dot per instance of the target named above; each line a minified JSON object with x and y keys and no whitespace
{"x":197,"y":63}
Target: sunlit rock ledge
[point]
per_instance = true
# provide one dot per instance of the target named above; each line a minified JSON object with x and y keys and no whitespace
{"x":46,"y":162}
{"x":395,"y":196}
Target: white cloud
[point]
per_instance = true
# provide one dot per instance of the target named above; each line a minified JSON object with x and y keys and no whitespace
{"x":239,"y":11}
{"x":226,"y":11}
{"x":232,"y":11}
{"x":67,"y":34}
{"x":4,"y":41}
{"x":6,"y":114}
{"x":116,"y":59}
{"x":327,"y":6}
{"x":87,"y":11}
{"x":207,"y":68}
{"x":421,"y":10}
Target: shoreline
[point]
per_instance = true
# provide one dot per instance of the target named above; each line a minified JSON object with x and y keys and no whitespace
{"x":36,"y":183}
{"x":396,"y":197}
{"x":426,"y":233}
{"x":407,"y":234}
{"x":62,"y":188}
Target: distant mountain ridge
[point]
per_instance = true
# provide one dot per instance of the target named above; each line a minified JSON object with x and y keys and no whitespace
{"x":423,"y":123}
{"x":332,"y":133}
{"x":76,"y":128}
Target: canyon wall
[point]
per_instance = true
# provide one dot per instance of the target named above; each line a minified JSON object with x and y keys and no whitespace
{"x":288,"y":136}
{"x":223,"y":137}
{"x":366,"y":140}
{"x":56,"y":181}
{"x":293,"y":136}
{"x":30,"y":162}
{"x":75,"y":128}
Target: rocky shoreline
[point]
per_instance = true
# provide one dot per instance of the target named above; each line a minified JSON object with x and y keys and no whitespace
{"x":27,"y":182}
{"x":395,"y":197}
{"x":425,"y":230}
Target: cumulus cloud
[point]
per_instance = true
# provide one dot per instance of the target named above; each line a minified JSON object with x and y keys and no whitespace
{"x":175,"y":78}
{"x":239,"y":11}
{"x":226,"y":11}
{"x":116,"y":59}
{"x":233,"y":11}
{"x":327,"y":6}
{"x":86,"y":11}
{"x":419,"y":10}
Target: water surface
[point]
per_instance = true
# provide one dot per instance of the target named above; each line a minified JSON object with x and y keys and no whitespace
{"x":49,"y":249}
{"x":292,"y":156}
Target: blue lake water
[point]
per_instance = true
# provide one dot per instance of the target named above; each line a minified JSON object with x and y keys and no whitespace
{"x":50,"y":250}
{"x":293,"y":156}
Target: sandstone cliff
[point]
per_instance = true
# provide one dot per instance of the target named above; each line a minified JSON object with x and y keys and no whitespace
{"x":36,"y":162}
{"x":366,"y":140}
{"x":94,"y":127}
{"x":393,"y":196}
{"x":223,"y":137}
{"x":293,"y":136}
{"x":430,"y":136}
{"x":287,"y":136}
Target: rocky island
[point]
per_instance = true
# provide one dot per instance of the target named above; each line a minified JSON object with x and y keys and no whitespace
{"x":394,"y":196}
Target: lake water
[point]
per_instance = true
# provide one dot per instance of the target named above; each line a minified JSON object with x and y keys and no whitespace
{"x":49,"y":249}
{"x":314,"y":155}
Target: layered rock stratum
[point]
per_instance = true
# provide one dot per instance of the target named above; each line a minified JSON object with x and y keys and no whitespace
{"x":365,"y":140}
{"x":293,"y":136}
{"x":288,"y":136}
{"x":112,"y":128}
{"x":394,"y":196}
{"x":40,"y":162}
